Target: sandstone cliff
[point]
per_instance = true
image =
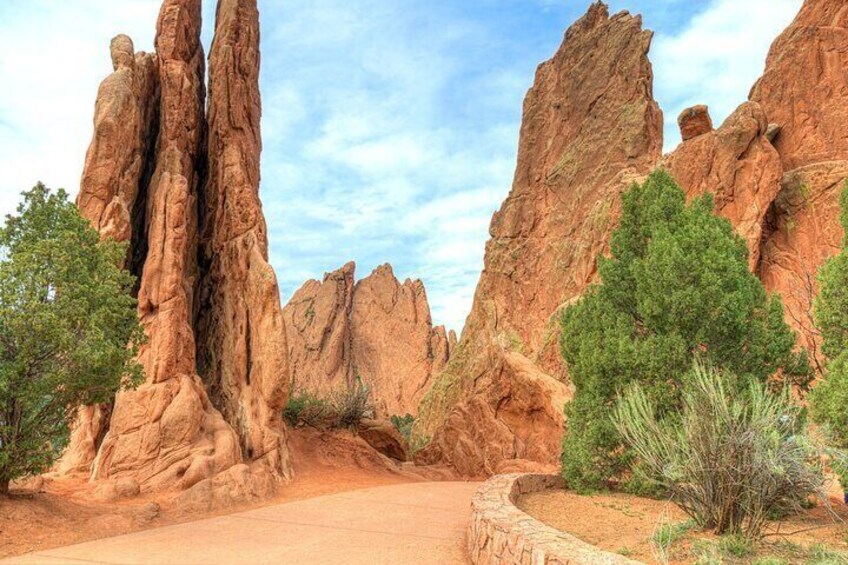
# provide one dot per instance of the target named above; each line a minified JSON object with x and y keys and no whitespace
{"x":146,"y":181}
{"x":378,"y":329}
{"x":805,"y":91}
{"x":590,"y":127}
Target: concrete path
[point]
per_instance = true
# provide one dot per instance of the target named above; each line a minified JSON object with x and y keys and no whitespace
{"x":418,"y":523}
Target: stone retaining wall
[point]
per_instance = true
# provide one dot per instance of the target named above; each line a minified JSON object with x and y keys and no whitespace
{"x":501,"y":534}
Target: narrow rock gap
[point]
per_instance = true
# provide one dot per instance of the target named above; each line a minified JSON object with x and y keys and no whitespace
{"x":137,"y":252}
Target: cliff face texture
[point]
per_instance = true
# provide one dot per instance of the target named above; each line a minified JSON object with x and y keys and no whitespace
{"x":590,"y":127}
{"x":116,"y":166}
{"x":738,"y":165}
{"x":242,"y":338}
{"x":805,"y":91}
{"x":146,"y":181}
{"x":378,"y":329}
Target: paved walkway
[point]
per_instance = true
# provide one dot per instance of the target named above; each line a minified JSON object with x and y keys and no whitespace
{"x":418,"y":523}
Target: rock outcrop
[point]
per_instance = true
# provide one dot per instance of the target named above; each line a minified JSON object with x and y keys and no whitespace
{"x":317,"y":320}
{"x":166,"y":433}
{"x":804,"y":90}
{"x":241,"y":333}
{"x":378,"y":329}
{"x":738,"y":165}
{"x":590,"y":127}
{"x":207,"y":419}
{"x":116,"y":170}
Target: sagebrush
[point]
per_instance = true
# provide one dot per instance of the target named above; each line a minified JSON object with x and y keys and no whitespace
{"x":731,"y":458}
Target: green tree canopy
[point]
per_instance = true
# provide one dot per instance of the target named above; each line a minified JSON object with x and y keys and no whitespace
{"x":676,"y":286}
{"x":828,"y":400}
{"x":68,"y":328}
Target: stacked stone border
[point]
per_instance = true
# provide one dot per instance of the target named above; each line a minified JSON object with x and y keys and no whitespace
{"x":501,"y":534}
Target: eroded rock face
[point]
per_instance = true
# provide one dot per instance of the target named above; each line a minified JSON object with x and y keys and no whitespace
{"x":590,"y":127}
{"x":378,"y":329}
{"x":317,"y":322}
{"x":242,"y":340}
{"x":393,"y":335}
{"x":805,"y":91}
{"x":116,"y":170}
{"x":146,"y":182}
{"x":738,"y":165}
{"x":166,"y":433}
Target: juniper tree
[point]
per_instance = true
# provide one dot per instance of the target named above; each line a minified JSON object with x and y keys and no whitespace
{"x":676,"y":286}
{"x":828,"y":400}
{"x":68,"y":328}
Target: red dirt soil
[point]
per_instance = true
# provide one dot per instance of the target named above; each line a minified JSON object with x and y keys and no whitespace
{"x":66,"y":512}
{"x":622,"y":523}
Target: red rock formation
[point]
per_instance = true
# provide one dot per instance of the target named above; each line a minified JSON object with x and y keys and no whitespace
{"x":392,"y":346}
{"x":115,"y":171}
{"x":166,"y":433}
{"x":242,"y":340}
{"x":317,"y":322}
{"x":124,"y":130}
{"x":145,"y":182}
{"x":379,"y":329}
{"x":694,"y":121}
{"x":738,"y":165}
{"x":590,"y":127}
{"x":805,"y":91}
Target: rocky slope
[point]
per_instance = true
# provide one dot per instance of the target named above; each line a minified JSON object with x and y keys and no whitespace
{"x":207,"y":297}
{"x":590,"y":127}
{"x":378,"y":329}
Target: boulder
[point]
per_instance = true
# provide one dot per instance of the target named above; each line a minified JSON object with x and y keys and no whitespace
{"x":694,"y":121}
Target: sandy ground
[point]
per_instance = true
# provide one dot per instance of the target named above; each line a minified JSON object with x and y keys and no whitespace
{"x":625,"y":524}
{"x":67,"y":512}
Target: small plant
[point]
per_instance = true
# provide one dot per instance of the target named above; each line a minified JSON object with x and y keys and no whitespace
{"x":731,"y":457}
{"x":736,"y":546}
{"x":404,"y":424}
{"x":307,"y":409}
{"x":352,"y":404}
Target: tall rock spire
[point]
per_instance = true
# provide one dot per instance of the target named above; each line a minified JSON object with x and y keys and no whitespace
{"x":147,"y":182}
{"x":590,"y":127}
{"x":242,"y":340}
{"x":111,"y":195}
{"x":166,"y":433}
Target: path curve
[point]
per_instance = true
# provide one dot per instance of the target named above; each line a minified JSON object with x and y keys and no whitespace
{"x":417,"y":523}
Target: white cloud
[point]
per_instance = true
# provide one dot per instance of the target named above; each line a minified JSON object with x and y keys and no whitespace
{"x":716,"y":57}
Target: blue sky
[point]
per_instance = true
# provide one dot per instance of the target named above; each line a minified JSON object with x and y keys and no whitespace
{"x":390,"y":126}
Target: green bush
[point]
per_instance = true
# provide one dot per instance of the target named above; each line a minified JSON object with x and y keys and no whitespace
{"x":676,"y":285}
{"x":352,"y":404}
{"x":67,"y":317}
{"x":829,"y":399}
{"x":730,"y":458}
{"x":307,"y":409}
{"x":404,"y":424}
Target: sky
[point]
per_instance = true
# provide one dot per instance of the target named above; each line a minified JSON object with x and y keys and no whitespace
{"x":390,"y":127}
